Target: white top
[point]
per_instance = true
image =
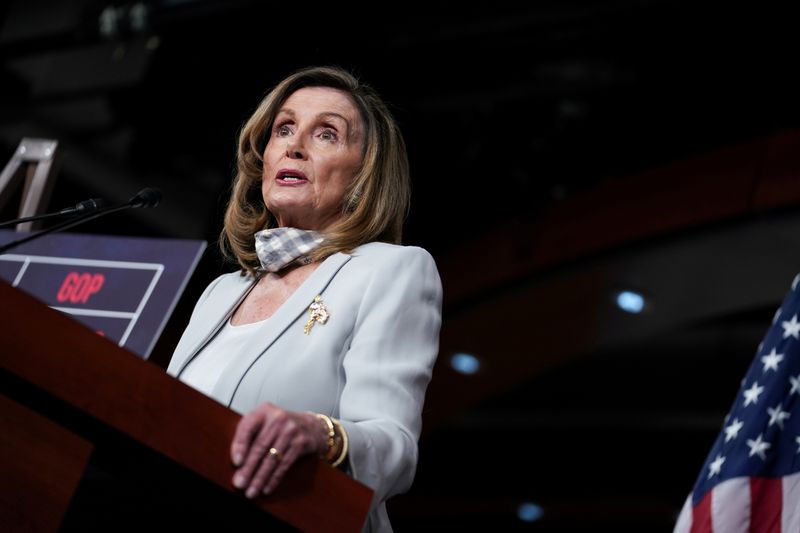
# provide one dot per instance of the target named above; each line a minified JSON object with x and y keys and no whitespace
{"x":203,"y":372}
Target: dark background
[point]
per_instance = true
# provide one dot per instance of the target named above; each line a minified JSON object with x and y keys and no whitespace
{"x":560,"y":151}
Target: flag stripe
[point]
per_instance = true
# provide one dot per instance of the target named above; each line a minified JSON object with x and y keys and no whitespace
{"x":730,"y":506}
{"x":790,"y":521}
{"x":766,"y":496}
{"x":701,"y":516}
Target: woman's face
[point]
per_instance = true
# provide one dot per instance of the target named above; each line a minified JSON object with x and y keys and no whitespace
{"x":313,"y":154}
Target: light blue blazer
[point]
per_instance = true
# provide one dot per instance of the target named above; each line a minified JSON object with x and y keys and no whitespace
{"x":369,"y":365}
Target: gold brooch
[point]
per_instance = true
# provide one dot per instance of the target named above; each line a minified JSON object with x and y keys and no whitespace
{"x":318,"y":314}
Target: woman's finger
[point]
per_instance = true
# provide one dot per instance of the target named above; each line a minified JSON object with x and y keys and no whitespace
{"x":247,"y":428}
{"x":284,"y":456}
{"x":269,"y":472}
{"x":268,"y":441}
{"x":272,"y":447}
{"x":244,"y":476}
{"x":297,"y":438}
{"x":251,"y":442}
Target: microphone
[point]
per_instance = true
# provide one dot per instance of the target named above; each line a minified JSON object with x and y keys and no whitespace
{"x":80,"y":208}
{"x":147,"y":197}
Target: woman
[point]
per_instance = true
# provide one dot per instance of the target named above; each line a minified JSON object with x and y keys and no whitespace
{"x":326,"y":338}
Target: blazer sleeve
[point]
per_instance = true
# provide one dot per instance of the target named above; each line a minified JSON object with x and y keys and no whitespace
{"x":388,"y":367}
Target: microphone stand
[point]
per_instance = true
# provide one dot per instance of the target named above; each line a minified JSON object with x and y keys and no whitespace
{"x":145,"y":198}
{"x":80,"y":209}
{"x":63,"y":225}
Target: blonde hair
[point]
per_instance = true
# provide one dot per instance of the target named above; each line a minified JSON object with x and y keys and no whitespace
{"x":375,"y":205}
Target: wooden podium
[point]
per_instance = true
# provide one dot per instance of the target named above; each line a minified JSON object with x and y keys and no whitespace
{"x":94,"y":438}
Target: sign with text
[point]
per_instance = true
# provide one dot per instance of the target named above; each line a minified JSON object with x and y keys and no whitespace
{"x":124,"y":288}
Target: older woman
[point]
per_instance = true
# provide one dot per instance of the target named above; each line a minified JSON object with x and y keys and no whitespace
{"x":326,"y":337}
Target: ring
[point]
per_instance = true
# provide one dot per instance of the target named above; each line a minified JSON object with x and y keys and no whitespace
{"x":275,"y":454}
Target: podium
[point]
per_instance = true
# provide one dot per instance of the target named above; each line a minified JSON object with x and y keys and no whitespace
{"x":94,"y":438}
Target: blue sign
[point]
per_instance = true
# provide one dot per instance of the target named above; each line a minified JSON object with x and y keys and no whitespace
{"x":124,"y":288}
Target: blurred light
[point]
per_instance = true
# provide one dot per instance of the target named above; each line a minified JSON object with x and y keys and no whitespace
{"x":119,"y":53}
{"x":529,"y":512}
{"x":138,"y":15}
{"x":108,"y":21}
{"x":631,"y":302}
{"x":153,"y":42}
{"x":465,"y":363}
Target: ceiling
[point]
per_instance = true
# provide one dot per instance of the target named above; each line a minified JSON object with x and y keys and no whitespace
{"x":560,"y":151}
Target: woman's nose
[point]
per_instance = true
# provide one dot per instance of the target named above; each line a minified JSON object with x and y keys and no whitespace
{"x":294,"y":148}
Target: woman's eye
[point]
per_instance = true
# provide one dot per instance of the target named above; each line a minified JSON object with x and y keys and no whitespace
{"x":328,"y":135}
{"x":282,"y":131}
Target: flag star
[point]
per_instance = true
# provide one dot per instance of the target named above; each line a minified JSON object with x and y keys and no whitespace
{"x":758,"y":447}
{"x":794,"y":281}
{"x":791,"y":328}
{"x":797,"y":440}
{"x":716,"y":465}
{"x":732,"y":431}
{"x":776,"y":315}
{"x":751,"y":394}
{"x":771,"y":360}
{"x":776,"y":416}
{"x":795,"y":381}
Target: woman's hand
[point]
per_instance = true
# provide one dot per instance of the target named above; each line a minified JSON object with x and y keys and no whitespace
{"x":268,"y":440}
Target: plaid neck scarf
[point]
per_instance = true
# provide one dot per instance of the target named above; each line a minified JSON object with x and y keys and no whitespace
{"x":280,"y":247}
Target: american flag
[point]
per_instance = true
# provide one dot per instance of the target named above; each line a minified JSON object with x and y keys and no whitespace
{"x":750,"y":481}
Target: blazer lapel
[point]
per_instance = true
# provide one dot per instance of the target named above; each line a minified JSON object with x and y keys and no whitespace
{"x":296,"y":305}
{"x":220,"y":321}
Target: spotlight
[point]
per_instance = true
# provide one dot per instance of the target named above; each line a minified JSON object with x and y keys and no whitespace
{"x":529,"y":512}
{"x":465,"y":363}
{"x":630,"y":301}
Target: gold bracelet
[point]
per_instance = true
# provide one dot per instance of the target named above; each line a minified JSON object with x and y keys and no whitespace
{"x":330,"y":452}
{"x":345,"y":444}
